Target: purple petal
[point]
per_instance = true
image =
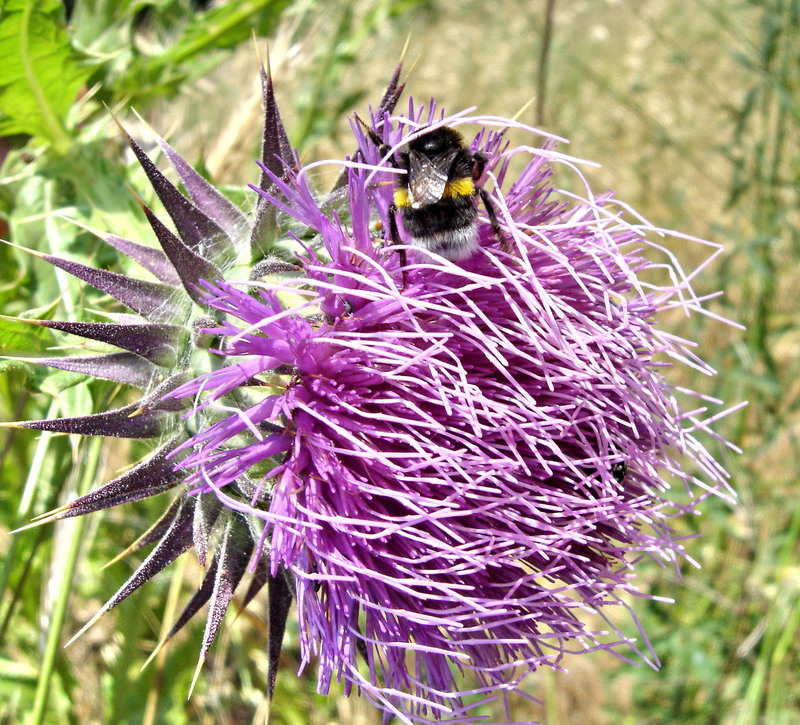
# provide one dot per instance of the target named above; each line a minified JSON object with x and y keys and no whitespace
{"x":447,"y":487}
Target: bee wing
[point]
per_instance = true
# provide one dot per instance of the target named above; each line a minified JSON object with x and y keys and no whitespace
{"x":427,"y":177}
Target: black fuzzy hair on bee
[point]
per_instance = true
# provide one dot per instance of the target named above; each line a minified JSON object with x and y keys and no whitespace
{"x":436,"y":195}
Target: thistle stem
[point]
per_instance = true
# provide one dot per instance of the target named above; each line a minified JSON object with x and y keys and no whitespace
{"x":25,"y":509}
{"x":544,"y":57}
{"x":90,"y":465}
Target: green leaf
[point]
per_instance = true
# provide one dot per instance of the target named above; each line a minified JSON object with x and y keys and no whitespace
{"x":225,"y":27}
{"x":19,"y":337}
{"x":100,"y":29}
{"x":40,"y":76}
{"x":141,"y":51}
{"x":199,"y":43}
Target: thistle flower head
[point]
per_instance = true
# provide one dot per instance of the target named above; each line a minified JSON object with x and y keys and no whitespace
{"x":452,"y":467}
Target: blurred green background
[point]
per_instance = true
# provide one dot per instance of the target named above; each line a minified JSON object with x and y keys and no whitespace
{"x":691,"y":107}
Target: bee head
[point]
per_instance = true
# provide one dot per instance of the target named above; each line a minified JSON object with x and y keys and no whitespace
{"x":437,"y":142}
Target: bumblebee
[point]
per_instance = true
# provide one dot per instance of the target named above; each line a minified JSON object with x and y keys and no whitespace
{"x":436,"y":195}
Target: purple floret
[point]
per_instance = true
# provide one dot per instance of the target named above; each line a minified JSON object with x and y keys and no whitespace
{"x":461,"y":461}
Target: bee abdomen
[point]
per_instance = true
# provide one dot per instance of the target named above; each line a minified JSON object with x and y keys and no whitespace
{"x":448,"y":228}
{"x":442,"y":216}
{"x":453,"y":244}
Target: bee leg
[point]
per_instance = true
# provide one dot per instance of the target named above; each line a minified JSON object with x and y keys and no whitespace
{"x":487,"y":202}
{"x":394,"y":238}
{"x":479,"y":162}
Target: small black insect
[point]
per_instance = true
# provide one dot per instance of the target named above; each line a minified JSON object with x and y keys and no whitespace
{"x":619,"y":470}
{"x":436,"y":195}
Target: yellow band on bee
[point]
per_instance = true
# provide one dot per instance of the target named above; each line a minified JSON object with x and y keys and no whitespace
{"x":459,"y":187}
{"x":401,"y":197}
{"x":452,"y":190}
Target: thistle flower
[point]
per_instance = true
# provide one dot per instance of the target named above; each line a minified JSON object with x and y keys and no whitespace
{"x":447,"y":466}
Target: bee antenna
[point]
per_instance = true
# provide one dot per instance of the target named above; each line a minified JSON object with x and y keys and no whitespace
{"x":369,"y":131}
{"x":361,"y":122}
